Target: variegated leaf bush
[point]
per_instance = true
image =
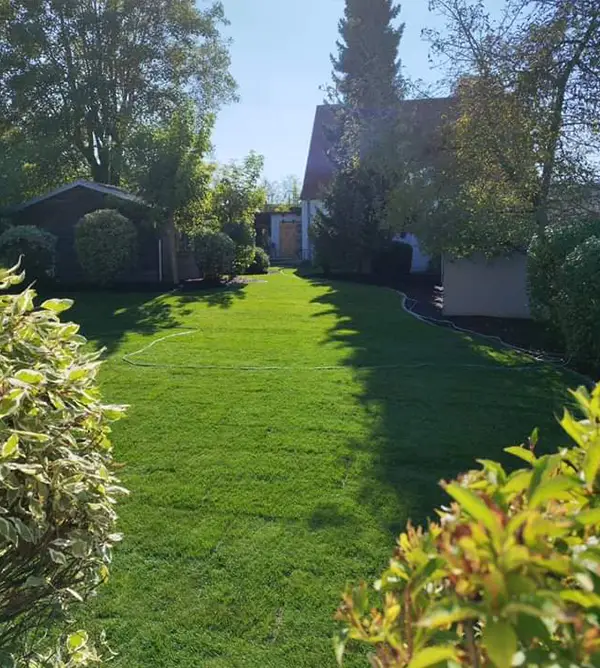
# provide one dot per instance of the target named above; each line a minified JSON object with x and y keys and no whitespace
{"x":57,"y":487}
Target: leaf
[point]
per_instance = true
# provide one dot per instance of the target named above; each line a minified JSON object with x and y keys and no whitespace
{"x":522,"y":453}
{"x":76,"y":595}
{"x":23,"y":530}
{"x":475,"y":507}
{"x":30,"y":376}
{"x":585,"y":600}
{"x":500,"y":640}
{"x":574,"y":429}
{"x":588,"y":517}
{"x":558,"y":488}
{"x":340,"y":640}
{"x":495,"y":470}
{"x":10,"y":402}
{"x":517,"y":482}
{"x":591,"y":464}
{"x":10,"y":447}
{"x":441,"y":617}
{"x":114,"y":412}
{"x":542,"y":469}
{"x":32,"y":436}
{"x":430,"y":656}
{"x":57,"y":305}
{"x":8,"y":530}
{"x":57,"y":557}
{"x":77,"y":640}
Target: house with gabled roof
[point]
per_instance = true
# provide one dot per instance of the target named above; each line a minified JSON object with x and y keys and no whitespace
{"x":422,"y":119}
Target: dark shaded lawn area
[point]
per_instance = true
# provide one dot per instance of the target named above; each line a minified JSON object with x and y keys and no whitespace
{"x":257,"y":495}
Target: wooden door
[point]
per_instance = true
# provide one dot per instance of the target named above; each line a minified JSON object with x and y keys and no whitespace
{"x":289,"y":240}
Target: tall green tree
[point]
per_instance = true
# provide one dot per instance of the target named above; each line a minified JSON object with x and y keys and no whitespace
{"x":367,"y":87}
{"x":528,"y":92}
{"x":94,"y":71}
{"x":29,"y":167}
{"x":238,"y":191}
{"x":170,"y":171}
{"x":366,"y":71}
{"x":239,"y":194}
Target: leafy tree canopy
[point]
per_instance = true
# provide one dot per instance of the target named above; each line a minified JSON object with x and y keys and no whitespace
{"x":528,"y":100}
{"x":93,"y":71}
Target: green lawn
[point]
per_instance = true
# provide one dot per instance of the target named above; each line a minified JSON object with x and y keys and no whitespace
{"x":257,"y":494}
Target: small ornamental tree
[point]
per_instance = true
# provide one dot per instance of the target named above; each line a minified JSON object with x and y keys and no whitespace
{"x":35,"y":246}
{"x":106,"y":244}
{"x":57,"y":489}
{"x":508,"y":576}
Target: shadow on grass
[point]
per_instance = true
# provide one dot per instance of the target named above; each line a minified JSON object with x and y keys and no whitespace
{"x":437,"y":401}
{"x":107,"y":317}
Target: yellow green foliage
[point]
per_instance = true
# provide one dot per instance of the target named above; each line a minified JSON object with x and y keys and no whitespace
{"x":509,"y":575}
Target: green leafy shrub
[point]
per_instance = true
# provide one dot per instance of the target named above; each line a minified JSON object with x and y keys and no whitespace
{"x":106,"y":244}
{"x":261,"y":262}
{"x":243,"y":236}
{"x":36,"y":246}
{"x":508,"y":576}
{"x":215,"y":254}
{"x":547,"y":254}
{"x":393,"y":263}
{"x":57,"y":490}
{"x":579,"y":296}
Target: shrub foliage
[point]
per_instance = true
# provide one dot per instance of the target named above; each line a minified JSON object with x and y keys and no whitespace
{"x":508,"y":576}
{"x":215,"y":254}
{"x":580,"y":302}
{"x":394,"y":262}
{"x":261,"y":262}
{"x":562,"y":270}
{"x":106,"y":244}
{"x":37,"y":248}
{"x":547,"y":254}
{"x":243,"y":236}
{"x":57,"y":490}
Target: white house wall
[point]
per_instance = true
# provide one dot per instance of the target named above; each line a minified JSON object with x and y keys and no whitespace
{"x":420,"y":261}
{"x":310,"y":208}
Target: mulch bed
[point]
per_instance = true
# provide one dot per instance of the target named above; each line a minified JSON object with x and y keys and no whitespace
{"x":526,"y":334}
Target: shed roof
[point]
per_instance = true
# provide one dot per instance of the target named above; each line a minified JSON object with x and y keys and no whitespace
{"x":101,"y":188}
{"x":423,"y":119}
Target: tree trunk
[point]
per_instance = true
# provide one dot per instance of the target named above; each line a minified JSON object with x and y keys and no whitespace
{"x":99,"y":171}
{"x":172,"y":243}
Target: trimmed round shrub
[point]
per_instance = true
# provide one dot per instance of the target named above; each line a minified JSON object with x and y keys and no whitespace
{"x":36,"y":246}
{"x":393,"y":263}
{"x":261,"y":262}
{"x":243,"y":236}
{"x":215,"y":254}
{"x":57,"y":488}
{"x":547,"y":254}
{"x":579,"y":303}
{"x":106,"y":244}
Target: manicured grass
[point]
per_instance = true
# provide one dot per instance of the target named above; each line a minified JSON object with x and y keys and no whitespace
{"x":258,"y":494}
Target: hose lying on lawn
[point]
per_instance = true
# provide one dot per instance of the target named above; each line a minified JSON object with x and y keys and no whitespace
{"x":408,"y":306}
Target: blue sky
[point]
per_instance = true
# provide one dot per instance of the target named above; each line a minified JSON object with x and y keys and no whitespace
{"x":280,"y":58}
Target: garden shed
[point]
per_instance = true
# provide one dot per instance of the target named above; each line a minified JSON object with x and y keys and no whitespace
{"x":478,"y":286}
{"x":59,"y":211}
